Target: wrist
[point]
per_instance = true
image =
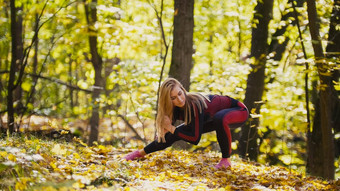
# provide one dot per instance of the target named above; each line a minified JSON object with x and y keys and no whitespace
{"x":173,"y":128}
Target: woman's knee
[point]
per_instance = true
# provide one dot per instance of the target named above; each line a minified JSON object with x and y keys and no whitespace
{"x":235,"y":117}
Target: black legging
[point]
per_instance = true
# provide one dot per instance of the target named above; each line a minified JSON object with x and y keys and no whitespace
{"x":156,"y":146}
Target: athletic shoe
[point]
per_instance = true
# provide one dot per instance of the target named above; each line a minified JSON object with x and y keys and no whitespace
{"x":133,"y":155}
{"x":224,"y":163}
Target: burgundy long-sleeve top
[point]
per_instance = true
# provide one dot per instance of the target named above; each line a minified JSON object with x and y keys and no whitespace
{"x":192,"y":131}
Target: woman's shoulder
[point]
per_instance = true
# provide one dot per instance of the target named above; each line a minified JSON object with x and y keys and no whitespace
{"x":213,"y":96}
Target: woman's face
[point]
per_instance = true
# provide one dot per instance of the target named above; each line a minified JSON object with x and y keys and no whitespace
{"x":177,"y":96}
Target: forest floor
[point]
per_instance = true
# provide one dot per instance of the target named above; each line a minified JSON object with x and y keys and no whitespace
{"x":29,"y":163}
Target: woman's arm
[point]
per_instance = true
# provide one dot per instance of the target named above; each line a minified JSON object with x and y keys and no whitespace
{"x":167,"y":125}
{"x":191,"y":132}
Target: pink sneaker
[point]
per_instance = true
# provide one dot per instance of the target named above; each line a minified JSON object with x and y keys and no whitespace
{"x":133,"y":155}
{"x":224,"y":163}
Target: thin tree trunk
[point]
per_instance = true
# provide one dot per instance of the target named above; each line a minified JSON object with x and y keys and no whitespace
{"x":70,"y":75}
{"x":182,"y":49}
{"x":76,"y":101}
{"x":30,"y":97}
{"x":17,"y":54}
{"x":239,"y":34}
{"x":159,"y":15}
{"x":20,"y":56}
{"x":97,"y":63}
{"x":255,"y":84}
{"x":314,"y":162}
{"x":324,"y":130}
{"x":333,"y":53}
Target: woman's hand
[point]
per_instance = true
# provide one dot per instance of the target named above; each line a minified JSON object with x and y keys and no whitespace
{"x":167,"y":125}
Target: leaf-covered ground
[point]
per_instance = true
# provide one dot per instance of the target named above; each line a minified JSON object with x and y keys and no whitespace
{"x":34,"y":164}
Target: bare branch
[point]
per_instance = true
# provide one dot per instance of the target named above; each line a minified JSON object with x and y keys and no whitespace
{"x":132,"y":128}
{"x":159,"y":16}
{"x":55,"y":80}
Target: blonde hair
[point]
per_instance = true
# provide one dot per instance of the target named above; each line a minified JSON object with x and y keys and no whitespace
{"x":166,"y":107}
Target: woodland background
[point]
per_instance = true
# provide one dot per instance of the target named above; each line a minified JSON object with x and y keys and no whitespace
{"x":92,"y":69}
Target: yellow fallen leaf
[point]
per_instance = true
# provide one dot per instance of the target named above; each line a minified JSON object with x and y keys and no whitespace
{"x":58,"y":150}
{"x":76,"y":156}
{"x":49,"y":188}
{"x":220,"y":173}
{"x":37,"y":148}
{"x":21,"y":184}
{"x":63,"y":132}
{"x":78,"y":185}
{"x":11,"y":157}
{"x":53,"y":165}
{"x":3,"y":153}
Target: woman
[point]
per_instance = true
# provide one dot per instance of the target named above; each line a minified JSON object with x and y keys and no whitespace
{"x":201,"y":114}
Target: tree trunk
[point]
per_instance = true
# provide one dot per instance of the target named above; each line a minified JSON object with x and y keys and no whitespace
{"x":17,"y":56}
{"x":182,"y":49}
{"x":314,"y":138}
{"x":333,"y":53}
{"x":324,"y":117}
{"x":70,"y":74}
{"x":17,"y":98}
{"x":97,"y":63}
{"x":255,"y":84}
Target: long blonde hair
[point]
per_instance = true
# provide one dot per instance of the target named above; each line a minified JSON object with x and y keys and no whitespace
{"x":166,"y":108}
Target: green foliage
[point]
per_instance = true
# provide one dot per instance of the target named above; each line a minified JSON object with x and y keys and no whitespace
{"x":130,"y":32}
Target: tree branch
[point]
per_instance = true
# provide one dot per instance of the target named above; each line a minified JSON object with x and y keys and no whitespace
{"x":55,"y":80}
{"x":306,"y":67}
{"x":132,"y":128}
{"x":159,"y":16}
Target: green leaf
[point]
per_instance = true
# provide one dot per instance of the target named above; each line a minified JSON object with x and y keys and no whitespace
{"x":26,"y":86}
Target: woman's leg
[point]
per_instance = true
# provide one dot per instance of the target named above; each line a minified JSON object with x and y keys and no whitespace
{"x":223,"y":121}
{"x":153,"y":147}
{"x":156,"y":146}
